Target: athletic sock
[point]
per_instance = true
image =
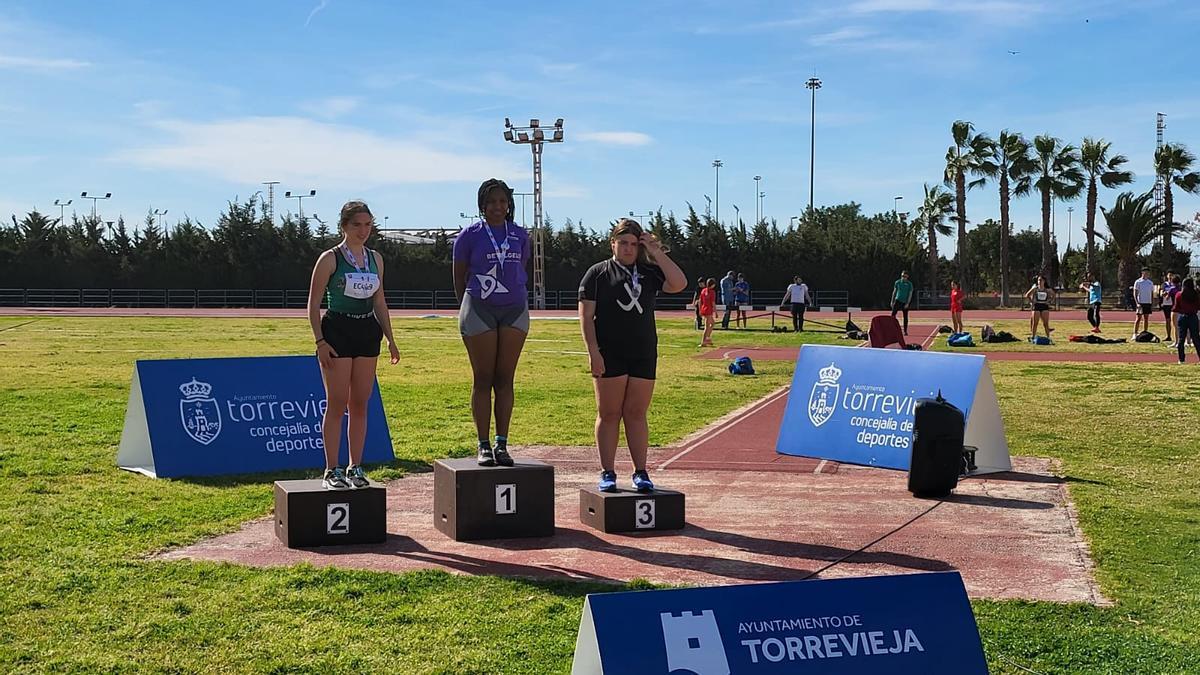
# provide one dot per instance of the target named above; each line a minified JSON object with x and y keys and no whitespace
{"x":501,"y":440}
{"x":485,"y":444}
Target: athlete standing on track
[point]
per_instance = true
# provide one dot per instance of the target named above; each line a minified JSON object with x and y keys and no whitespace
{"x":797,"y":295}
{"x":902,"y":292}
{"x":350,"y":278}
{"x":956,"y":306}
{"x":1041,"y":295}
{"x":616,"y":314}
{"x":489,"y":279}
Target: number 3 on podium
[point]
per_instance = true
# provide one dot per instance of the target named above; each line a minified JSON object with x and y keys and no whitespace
{"x":643,"y":514}
{"x":506,"y":498}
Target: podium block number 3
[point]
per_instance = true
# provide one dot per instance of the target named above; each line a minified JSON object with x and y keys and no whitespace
{"x":643,"y":514}
{"x":506,"y":498}
{"x":337,"y":519}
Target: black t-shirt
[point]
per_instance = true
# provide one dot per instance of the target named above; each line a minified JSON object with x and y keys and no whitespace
{"x":624,"y":316}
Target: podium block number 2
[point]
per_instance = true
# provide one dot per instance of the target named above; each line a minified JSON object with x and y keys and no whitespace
{"x":643,"y":514}
{"x":506,"y":498}
{"x":337,"y":519}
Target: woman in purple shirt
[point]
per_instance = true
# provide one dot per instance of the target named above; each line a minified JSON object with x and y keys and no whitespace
{"x":489,"y":279}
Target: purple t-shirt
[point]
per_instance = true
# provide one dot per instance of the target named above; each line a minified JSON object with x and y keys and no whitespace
{"x":488,"y":280}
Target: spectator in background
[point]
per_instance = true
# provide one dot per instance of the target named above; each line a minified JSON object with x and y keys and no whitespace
{"x":956,"y":306}
{"x":1143,"y":297}
{"x":1166,"y":298}
{"x":708,"y":310}
{"x":741,"y":297}
{"x":902,"y":292}
{"x":1040,"y":295}
{"x":1092,"y":287}
{"x":696,"y":303}
{"x":727,"y":297}
{"x":1187,"y":304}
{"x":797,"y":294}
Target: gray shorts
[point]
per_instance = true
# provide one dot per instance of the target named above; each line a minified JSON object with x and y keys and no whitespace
{"x":476,"y":317}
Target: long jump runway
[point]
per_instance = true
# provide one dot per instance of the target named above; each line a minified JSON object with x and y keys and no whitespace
{"x":752,"y":516}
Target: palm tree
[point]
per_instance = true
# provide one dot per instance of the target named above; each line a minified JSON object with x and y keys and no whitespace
{"x":1011,"y":165}
{"x":1133,"y":223}
{"x":1056,"y":167}
{"x":1172,"y":163}
{"x":937,"y":205}
{"x":968,"y":155}
{"x":1097,"y":165}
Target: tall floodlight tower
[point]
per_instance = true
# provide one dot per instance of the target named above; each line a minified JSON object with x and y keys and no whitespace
{"x":813,"y":83}
{"x":1160,"y":125}
{"x":534,"y":136}
{"x":271,"y":200}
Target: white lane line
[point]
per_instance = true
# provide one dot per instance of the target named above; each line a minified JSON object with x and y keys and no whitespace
{"x":820,"y":465}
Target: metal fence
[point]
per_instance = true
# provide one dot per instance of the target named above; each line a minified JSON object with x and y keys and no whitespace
{"x":297,"y":298}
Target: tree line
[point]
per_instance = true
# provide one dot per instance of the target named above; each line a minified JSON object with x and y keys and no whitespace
{"x":832,"y":248}
{"x":1054,"y":170}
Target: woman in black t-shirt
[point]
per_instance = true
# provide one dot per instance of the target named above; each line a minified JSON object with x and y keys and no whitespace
{"x":616,"y":312}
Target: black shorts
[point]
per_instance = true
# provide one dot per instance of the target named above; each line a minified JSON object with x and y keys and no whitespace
{"x":898,"y":306}
{"x":351,"y":337}
{"x":1167,"y":312}
{"x":1041,"y":307}
{"x":1145,"y":309}
{"x":621,"y":362}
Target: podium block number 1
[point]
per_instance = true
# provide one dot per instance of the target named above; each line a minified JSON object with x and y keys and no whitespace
{"x":643,"y":514}
{"x":337,"y":519}
{"x":506,"y":498}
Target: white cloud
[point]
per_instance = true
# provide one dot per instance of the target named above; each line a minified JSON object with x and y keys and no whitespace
{"x":332,"y":107}
{"x":320,"y":6}
{"x":303,"y":151}
{"x":758,"y":26}
{"x":567,"y":191}
{"x":559,"y":69}
{"x":841,"y":35}
{"x":34,"y":63}
{"x":996,"y":8}
{"x":630,"y":138}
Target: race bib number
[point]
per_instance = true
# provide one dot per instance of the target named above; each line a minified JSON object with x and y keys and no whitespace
{"x":1040,"y":296}
{"x":361,"y":285}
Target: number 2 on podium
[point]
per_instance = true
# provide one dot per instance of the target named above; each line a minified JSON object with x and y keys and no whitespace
{"x":337,"y":518}
{"x":506,"y":498}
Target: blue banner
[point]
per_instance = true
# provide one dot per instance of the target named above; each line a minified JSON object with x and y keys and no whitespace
{"x":206,"y":417}
{"x":915,"y":623}
{"x":855,"y":405}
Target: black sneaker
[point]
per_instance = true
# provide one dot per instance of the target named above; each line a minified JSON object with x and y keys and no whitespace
{"x":486,"y":456}
{"x":356,"y":476}
{"x":335,"y":479}
{"x":501,"y":454}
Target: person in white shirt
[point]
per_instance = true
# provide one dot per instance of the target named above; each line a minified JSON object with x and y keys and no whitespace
{"x":797,"y":295}
{"x":1143,"y":295}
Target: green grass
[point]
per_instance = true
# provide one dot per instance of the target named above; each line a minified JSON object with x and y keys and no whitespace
{"x":78,"y":593}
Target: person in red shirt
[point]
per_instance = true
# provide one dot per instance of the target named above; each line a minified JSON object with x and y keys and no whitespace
{"x":708,"y":310}
{"x":1187,"y":304}
{"x":956,"y":306}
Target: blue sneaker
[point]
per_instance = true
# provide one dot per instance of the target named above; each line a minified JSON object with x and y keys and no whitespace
{"x":608,"y":481}
{"x":642,"y":482}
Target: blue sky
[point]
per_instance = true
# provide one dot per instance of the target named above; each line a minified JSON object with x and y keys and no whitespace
{"x":184,"y":106}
